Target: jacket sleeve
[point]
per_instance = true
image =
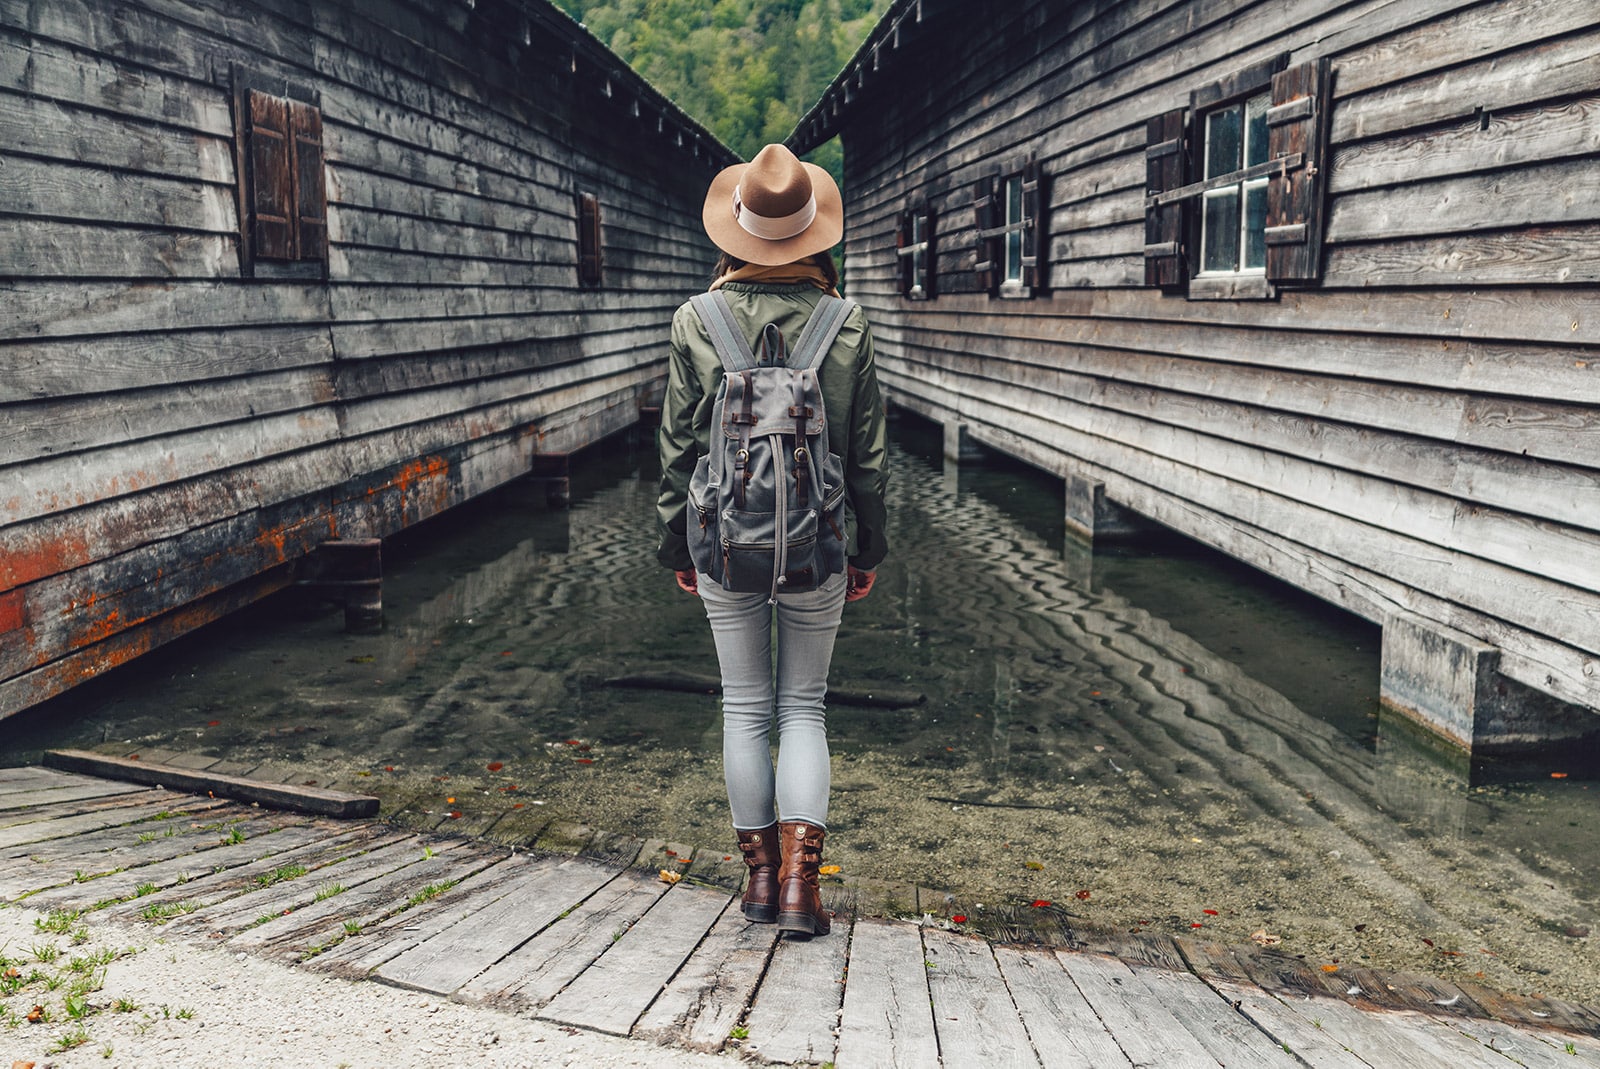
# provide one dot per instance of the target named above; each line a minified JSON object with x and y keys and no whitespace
{"x":867,"y":476}
{"x":677,"y":444}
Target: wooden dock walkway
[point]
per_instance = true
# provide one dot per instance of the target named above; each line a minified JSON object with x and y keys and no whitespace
{"x":582,"y":929}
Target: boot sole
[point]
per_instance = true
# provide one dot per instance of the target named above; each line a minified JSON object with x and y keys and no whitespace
{"x":759,"y":914}
{"x":799,"y":924}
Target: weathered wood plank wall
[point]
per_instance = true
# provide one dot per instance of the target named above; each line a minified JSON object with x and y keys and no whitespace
{"x":173,"y":435}
{"x":1416,"y":434}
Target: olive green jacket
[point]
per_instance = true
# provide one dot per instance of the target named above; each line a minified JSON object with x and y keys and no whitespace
{"x":849,"y":380}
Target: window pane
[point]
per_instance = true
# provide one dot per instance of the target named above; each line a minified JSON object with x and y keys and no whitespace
{"x":1219,"y":234}
{"x":1013,"y":239}
{"x":1222,"y":141}
{"x":1014,"y":257}
{"x":1255,"y":225}
{"x":1256,"y":130}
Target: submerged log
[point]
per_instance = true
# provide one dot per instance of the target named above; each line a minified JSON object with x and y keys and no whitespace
{"x":693,"y":683}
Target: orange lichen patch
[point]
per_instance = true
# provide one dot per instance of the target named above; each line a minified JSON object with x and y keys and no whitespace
{"x":22,"y":560}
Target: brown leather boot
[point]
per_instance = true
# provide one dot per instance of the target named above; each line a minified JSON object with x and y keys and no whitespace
{"x":760,"y":847}
{"x":799,"y":900}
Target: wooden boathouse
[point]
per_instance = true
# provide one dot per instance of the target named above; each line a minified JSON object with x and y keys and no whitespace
{"x":276,"y":274}
{"x":1312,"y":283}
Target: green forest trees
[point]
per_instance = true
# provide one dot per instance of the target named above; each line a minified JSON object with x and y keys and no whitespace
{"x":746,"y":69}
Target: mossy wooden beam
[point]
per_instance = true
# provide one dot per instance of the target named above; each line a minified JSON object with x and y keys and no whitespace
{"x":276,"y":795}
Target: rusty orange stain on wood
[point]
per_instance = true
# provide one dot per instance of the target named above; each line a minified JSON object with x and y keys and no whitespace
{"x":13,"y":612}
{"x":104,"y":628}
{"x":412,"y":473}
{"x":22,"y":562}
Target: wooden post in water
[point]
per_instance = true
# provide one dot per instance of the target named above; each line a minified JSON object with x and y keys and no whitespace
{"x":554,"y":470}
{"x":1092,"y":516}
{"x":353,"y":567}
{"x":1450,"y":683}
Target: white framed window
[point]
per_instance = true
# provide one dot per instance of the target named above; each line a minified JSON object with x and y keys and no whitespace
{"x":1012,"y":250}
{"x":1235,"y":183}
{"x":914,"y":241}
{"x":1233,"y":218}
{"x":1011,"y":240}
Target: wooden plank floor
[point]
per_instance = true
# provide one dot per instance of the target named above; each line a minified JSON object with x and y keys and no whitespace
{"x":579,"y":928}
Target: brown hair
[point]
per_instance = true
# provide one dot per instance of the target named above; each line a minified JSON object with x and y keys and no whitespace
{"x":822,"y":260}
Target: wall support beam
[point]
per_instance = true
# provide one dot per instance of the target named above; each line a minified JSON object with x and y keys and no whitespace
{"x":1091,"y":516}
{"x":1450,"y":683}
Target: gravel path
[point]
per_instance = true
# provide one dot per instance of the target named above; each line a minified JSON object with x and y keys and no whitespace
{"x":177,"y":1006}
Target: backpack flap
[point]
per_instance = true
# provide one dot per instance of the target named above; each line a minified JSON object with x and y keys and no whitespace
{"x":760,"y":402}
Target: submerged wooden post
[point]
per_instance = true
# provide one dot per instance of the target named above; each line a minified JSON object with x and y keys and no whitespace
{"x":354,"y":568}
{"x":959,"y":445}
{"x":1092,"y":516}
{"x":554,"y":471}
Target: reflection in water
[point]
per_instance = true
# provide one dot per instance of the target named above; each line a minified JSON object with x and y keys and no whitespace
{"x":1155,"y":727}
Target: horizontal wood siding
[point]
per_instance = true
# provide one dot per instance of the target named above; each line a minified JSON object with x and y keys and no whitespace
{"x":173,"y":436}
{"x":1419,"y":432}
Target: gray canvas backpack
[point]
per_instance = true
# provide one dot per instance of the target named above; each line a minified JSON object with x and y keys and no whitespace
{"x":766,"y":502}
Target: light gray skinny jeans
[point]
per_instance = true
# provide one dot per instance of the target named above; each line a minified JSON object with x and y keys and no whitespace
{"x":743,"y":626}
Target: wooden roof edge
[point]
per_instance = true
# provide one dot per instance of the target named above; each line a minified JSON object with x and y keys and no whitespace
{"x":827,"y":116}
{"x":547,"y":15}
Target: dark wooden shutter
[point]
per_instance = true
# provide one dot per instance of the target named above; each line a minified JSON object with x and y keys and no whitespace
{"x":589,"y":258}
{"x":986,"y":217}
{"x":271,"y":184}
{"x":1165,"y":154}
{"x":1035,"y":242}
{"x":310,"y":187}
{"x":902,"y":238}
{"x":930,"y":258}
{"x":1297,"y":122}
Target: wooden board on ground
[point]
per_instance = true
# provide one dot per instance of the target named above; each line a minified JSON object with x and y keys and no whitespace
{"x":535,"y":972}
{"x":329,"y":922}
{"x":1293,"y":1024}
{"x":54,"y":808}
{"x":260,"y":836}
{"x":1144,"y":1028}
{"x":796,"y":1008}
{"x":388,"y":939}
{"x":1229,"y":1036}
{"x":29,"y":777}
{"x":282,"y":796}
{"x":614,"y":992}
{"x":289,"y":888}
{"x":1381,"y":1037}
{"x":22,"y":839}
{"x":447,"y":960}
{"x":45,"y":794}
{"x":1535,"y":1051}
{"x":973,"y":1011}
{"x":701,"y":1005}
{"x":236,"y":883}
{"x":1066,"y":1033}
{"x":887,"y":1019}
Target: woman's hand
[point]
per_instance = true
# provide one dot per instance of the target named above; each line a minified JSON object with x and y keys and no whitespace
{"x":688,"y":582}
{"x":858,"y":584}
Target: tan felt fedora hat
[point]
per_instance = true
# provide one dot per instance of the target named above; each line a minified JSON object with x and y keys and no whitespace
{"x":774,"y":210}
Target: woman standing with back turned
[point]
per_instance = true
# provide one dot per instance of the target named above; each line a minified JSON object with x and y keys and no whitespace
{"x":775,"y":219}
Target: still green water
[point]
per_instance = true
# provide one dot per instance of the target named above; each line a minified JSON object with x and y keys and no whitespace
{"x":1150,"y":737}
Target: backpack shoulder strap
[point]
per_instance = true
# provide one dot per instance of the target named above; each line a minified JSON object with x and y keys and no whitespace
{"x":732,"y":349}
{"x":820,"y":330}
